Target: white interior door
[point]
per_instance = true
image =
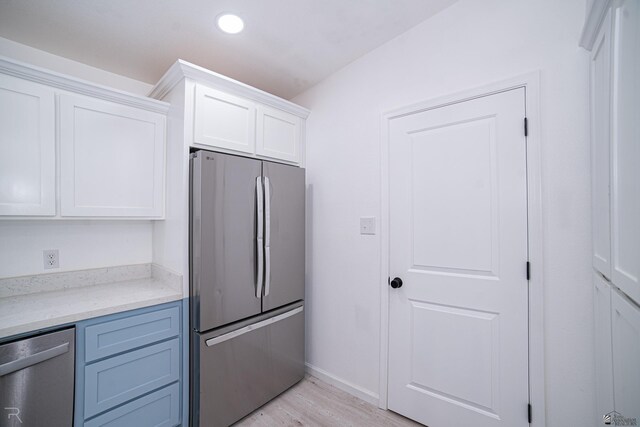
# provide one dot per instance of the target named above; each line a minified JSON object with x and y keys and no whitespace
{"x":458,"y":327}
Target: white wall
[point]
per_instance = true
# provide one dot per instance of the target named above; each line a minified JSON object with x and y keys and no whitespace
{"x":82,"y":244}
{"x":59,"y":64}
{"x":468,"y":45}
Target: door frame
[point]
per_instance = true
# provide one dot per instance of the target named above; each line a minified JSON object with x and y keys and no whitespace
{"x":531,"y":84}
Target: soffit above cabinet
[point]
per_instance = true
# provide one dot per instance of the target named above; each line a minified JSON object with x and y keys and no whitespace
{"x":184,"y":70}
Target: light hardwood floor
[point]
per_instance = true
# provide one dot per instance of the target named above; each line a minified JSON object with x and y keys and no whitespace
{"x":312,"y":402}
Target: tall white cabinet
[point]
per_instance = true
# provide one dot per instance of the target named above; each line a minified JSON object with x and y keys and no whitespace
{"x":71,"y":149}
{"x":612,"y":35}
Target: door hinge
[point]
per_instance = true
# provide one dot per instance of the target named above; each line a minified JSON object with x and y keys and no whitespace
{"x":528,"y":270}
{"x":389,"y":280}
{"x":529,"y":413}
{"x":526,"y":127}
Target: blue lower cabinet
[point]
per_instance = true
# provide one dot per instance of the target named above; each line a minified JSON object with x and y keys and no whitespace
{"x":158,"y":409}
{"x":129,"y":368}
{"x":116,"y":380}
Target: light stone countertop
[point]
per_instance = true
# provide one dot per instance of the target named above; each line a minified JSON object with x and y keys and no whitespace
{"x":33,"y":303}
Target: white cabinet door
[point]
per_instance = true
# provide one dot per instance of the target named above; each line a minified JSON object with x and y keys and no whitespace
{"x":27,"y":148}
{"x":112,"y":159}
{"x":224,"y":121}
{"x":604,"y":367}
{"x":626,"y":355}
{"x":278,"y":134}
{"x":625,"y":212}
{"x":600,"y":141}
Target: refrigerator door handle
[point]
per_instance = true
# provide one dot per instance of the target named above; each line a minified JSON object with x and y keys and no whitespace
{"x":259,"y":236}
{"x":222,"y":338}
{"x":267,"y":235}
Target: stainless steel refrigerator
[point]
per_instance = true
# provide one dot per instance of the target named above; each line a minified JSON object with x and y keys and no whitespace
{"x":247,"y":284}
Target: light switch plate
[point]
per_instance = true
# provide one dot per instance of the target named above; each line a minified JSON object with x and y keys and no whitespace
{"x":368,"y":225}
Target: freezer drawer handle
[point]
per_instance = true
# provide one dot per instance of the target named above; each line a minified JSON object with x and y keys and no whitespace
{"x":259,"y":233}
{"x":222,"y":338}
{"x":267,"y":235}
{"x":25,"y":362}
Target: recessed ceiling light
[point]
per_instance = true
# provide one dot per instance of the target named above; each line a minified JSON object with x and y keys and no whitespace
{"x":230,"y":24}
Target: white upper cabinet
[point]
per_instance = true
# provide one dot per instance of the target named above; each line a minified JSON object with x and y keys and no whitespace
{"x":600,"y":142}
{"x":278,"y":134}
{"x":73,"y":149}
{"x":219,"y":113}
{"x":614,"y":42}
{"x":27,"y":148}
{"x":223,"y":120}
{"x":111,"y":159}
{"x":625,"y":149}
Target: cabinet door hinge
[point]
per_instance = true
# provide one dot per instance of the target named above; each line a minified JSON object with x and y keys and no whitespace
{"x":526,"y":127}
{"x":529,"y":413}
{"x":528,"y":270}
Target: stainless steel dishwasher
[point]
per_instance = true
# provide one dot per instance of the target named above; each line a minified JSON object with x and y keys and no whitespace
{"x":36,"y":381}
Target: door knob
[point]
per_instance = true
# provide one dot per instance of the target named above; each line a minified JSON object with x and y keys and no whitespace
{"x":396,"y":283}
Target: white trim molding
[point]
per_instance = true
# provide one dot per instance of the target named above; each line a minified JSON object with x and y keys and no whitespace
{"x":592,"y":22}
{"x":40,"y":75}
{"x":531,"y":83}
{"x":182,"y":69}
{"x":342,"y":384}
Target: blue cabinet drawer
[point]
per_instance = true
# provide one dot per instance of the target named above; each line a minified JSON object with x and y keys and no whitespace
{"x":117,"y":336}
{"x":116,"y":380}
{"x":158,"y":409}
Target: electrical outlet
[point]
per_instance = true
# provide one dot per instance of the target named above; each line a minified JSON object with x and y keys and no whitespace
{"x":368,"y":225}
{"x":51,"y":259}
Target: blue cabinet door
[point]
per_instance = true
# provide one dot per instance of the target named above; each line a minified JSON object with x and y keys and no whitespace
{"x":158,"y":409}
{"x":116,"y":380}
{"x":117,"y":336}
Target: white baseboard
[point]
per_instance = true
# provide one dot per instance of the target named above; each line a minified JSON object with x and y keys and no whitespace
{"x":343,"y":385}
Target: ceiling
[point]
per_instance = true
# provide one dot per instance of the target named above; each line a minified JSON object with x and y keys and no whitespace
{"x":287,"y":46}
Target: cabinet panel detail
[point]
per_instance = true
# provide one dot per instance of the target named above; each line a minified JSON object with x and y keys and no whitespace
{"x":27,"y":148}
{"x":625,"y":149}
{"x":116,"y":380}
{"x":604,"y":371}
{"x":600,"y":143}
{"x":112,"y":159}
{"x":158,"y":409}
{"x":626,"y":355}
{"x":278,"y":134}
{"x":117,"y":336}
{"x":223,"y":120}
